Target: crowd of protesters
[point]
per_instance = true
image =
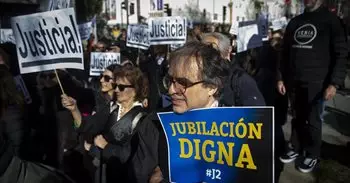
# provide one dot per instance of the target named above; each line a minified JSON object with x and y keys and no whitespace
{"x":105,"y":129}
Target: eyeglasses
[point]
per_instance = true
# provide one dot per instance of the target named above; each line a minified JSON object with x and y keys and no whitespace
{"x":122,"y":87}
{"x":106,"y":78}
{"x":180,"y":84}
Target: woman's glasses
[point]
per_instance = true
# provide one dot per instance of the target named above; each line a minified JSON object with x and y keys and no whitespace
{"x":106,"y":78}
{"x":122,"y":87}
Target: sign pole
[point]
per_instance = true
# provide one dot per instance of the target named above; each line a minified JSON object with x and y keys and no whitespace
{"x":59,"y":82}
{"x":138,"y":57}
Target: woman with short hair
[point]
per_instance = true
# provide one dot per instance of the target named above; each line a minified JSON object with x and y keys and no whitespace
{"x":114,"y":131}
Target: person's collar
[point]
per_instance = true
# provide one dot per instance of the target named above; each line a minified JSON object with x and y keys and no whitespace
{"x":215,"y":104}
{"x":136,"y":103}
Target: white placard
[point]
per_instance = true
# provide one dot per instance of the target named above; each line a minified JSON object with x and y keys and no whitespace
{"x":245,"y":34}
{"x":99,"y":61}
{"x":47,"y":41}
{"x":279,"y":24}
{"x":6,"y":35}
{"x":85,"y":30}
{"x":23,"y":88}
{"x":137,"y":36}
{"x":167,"y":30}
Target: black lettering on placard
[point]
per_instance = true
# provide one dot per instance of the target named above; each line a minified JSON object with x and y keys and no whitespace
{"x":138,"y":35}
{"x":48,"y":35}
{"x":33,"y":49}
{"x":64,"y":40}
{"x":162,"y":30}
{"x":48,"y":41}
{"x":23,"y":53}
{"x":168,"y":29}
{"x":71,"y":41}
{"x":75,"y":31}
{"x":42,"y":48}
{"x":182,"y":28}
{"x":56,"y":34}
{"x":101,"y":62}
{"x":43,"y":33}
{"x":173,"y":33}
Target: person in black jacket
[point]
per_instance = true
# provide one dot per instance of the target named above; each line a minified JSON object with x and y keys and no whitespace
{"x":155,"y":68}
{"x":13,"y":133}
{"x":240,"y":88}
{"x":313,"y":65}
{"x":114,"y":128}
{"x":195,"y":79}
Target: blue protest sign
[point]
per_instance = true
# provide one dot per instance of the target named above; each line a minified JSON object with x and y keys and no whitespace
{"x":225,"y":145}
{"x":85,"y":30}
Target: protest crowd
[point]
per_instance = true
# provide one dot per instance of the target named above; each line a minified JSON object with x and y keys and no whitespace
{"x":92,"y":113}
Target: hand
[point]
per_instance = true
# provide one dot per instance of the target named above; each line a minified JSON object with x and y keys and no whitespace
{"x":100,"y":141}
{"x":281,"y":88}
{"x":330,"y":92}
{"x":156,"y":176}
{"x":87,"y":146}
{"x":69,"y":102}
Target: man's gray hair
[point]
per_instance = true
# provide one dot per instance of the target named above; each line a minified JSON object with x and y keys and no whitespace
{"x":223,"y":43}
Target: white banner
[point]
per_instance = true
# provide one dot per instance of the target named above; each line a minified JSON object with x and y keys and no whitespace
{"x":47,"y":41}
{"x":167,"y":30}
{"x":6,"y":35}
{"x":137,"y":36}
{"x":101,"y":60}
{"x":23,"y":88}
{"x":85,"y":30}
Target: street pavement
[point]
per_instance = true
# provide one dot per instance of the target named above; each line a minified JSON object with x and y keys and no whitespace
{"x":335,"y":164}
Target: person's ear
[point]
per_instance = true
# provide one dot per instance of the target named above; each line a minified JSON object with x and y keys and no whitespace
{"x":212,"y":90}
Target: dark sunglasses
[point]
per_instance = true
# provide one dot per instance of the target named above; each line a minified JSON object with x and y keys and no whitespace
{"x":122,"y":87}
{"x":106,"y":78}
{"x":180,"y":84}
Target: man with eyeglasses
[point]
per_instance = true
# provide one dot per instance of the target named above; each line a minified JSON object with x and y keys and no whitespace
{"x":195,"y":78}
